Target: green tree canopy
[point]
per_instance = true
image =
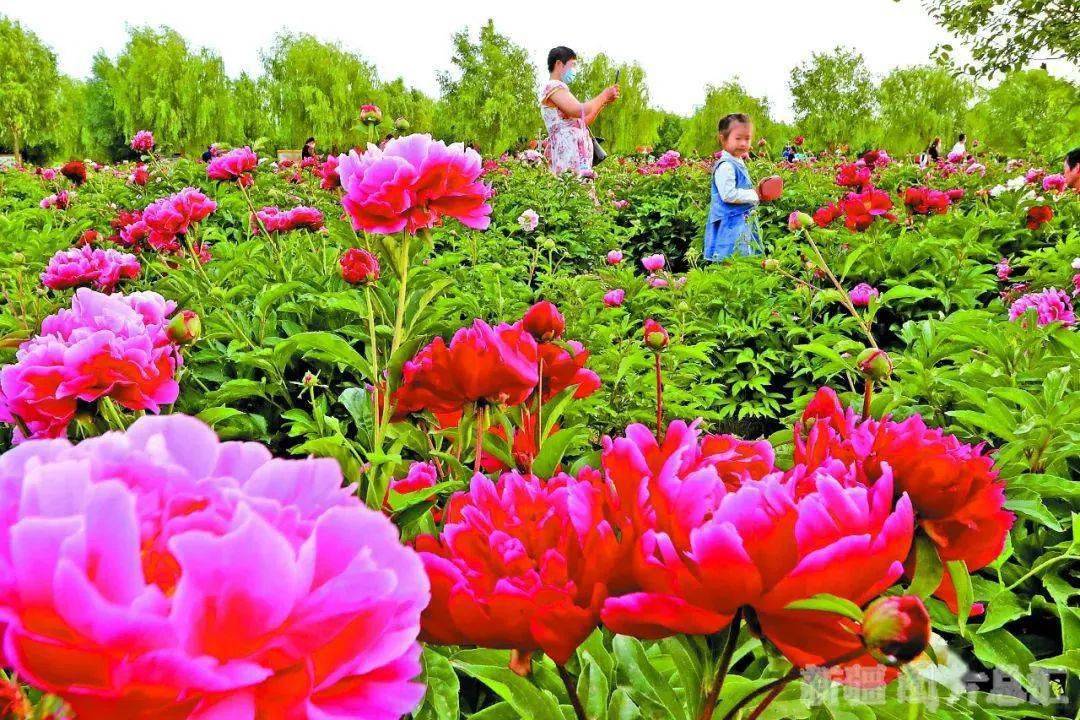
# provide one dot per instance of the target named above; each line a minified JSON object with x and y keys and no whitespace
{"x":1029,"y":112}
{"x":491,"y":96}
{"x":159,"y":83}
{"x":833,"y":97}
{"x":28,"y":79}
{"x":1006,"y":35}
{"x":317,"y":88}
{"x":915,"y":104}
{"x":699,"y":136}
{"x":629,"y":121}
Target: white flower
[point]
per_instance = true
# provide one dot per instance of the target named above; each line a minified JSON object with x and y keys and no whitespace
{"x":1076,"y":263}
{"x":528,"y":220}
{"x":1016,"y":183}
{"x":997,"y":190}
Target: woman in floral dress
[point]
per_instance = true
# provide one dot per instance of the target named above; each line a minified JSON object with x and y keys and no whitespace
{"x":569,"y":144}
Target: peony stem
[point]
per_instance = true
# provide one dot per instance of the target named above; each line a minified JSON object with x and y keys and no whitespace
{"x":481,"y":414}
{"x":539,"y":405}
{"x":768,"y":700}
{"x":374,"y":369}
{"x":730,"y":644}
{"x":659,"y":399}
{"x":868,"y":396}
{"x":575,"y":701}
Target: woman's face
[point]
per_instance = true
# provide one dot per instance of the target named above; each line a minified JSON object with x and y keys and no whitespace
{"x":570,"y":66}
{"x":1072,"y":175}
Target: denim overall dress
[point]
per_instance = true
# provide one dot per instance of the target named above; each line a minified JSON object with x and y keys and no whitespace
{"x":729,"y":229}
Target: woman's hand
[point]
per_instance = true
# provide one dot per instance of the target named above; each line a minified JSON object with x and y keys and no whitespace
{"x":611,"y":94}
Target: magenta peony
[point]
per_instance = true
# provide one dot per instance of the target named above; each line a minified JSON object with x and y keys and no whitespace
{"x":413,"y":184}
{"x":168,"y":217}
{"x":862,"y":294}
{"x":102,"y":269}
{"x":143,"y":141}
{"x":234,"y":165}
{"x":278,"y":221}
{"x":614,"y":257}
{"x":1050,"y":305}
{"x":652,"y":263}
{"x":103,"y":346}
{"x":158,"y":573}
{"x":614,"y":298}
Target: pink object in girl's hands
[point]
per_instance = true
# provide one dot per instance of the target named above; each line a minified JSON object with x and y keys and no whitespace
{"x":770,"y":188}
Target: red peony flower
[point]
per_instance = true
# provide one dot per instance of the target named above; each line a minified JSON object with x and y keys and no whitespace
{"x":1038,"y":216}
{"x":924,"y":201}
{"x":522,"y":564}
{"x":481,"y":364}
{"x":853,"y":175}
{"x":544,"y":322}
{"x":656,"y":337}
{"x":75,"y":171}
{"x":563,"y":367}
{"x":861,"y":209}
{"x":826,"y":214}
{"x":954,"y":487}
{"x":359,"y":267}
{"x":896,"y":629}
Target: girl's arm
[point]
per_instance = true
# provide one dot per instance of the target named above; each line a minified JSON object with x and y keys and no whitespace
{"x":729,"y":191}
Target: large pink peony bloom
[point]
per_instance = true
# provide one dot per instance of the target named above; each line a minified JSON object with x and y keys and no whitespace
{"x":412,"y":184}
{"x":168,"y":217}
{"x":278,"y":221}
{"x":1050,"y":305}
{"x":522,"y":564}
{"x":234,"y":165}
{"x":104,"y":345}
{"x":143,"y":141}
{"x":103,"y":269}
{"x":703,"y":551}
{"x":158,"y":573}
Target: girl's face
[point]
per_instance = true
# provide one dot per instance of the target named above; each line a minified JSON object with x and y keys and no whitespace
{"x":1072,"y":175}
{"x":739,"y":139}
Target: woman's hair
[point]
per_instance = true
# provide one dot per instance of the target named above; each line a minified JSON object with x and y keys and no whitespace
{"x":729,"y":121}
{"x":1073,"y":158}
{"x":962,"y":137}
{"x":936,"y":141}
{"x":309,"y":140}
{"x":561,"y":54}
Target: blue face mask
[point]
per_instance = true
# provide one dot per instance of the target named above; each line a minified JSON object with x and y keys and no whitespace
{"x":569,"y":75}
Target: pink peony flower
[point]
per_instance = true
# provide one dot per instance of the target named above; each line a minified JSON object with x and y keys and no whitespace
{"x":160,"y":573}
{"x":234,"y":165}
{"x":412,"y":184}
{"x":620,"y":204}
{"x":862,"y":294}
{"x":658,"y":282}
{"x":614,"y":298}
{"x":955,"y":157}
{"x":528,"y":220}
{"x":614,"y":257}
{"x":103,"y":346}
{"x":143,"y":141}
{"x":652,"y":263}
{"x":1004,"y":270}
{"x":421,"y":475}
{"x":976,"y":168}
{"x":168,"y":217}
{"x":329,"y":173}
{"x":48,"y":173}
{"x":59,"y":200}
{"x":102,"y":269}
{"x":1050,"y":305}
{"x":299,"y":218}
{"x":1054,"y":182}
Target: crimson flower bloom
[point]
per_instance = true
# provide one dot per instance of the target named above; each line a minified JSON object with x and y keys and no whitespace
{"x":925,"y":201}
{"x":825,"y":215}
{"x":1038,"y":216}
{"x":75,"y":171}
{"x":853,"y":175}
{"x":522,"y":564}
{"x":359,"y":267}
{"x":565,"y":366}
{"x":954,"y":487}
{"x":544,"y":322}
{"x":861,"y":209}
{"x":481,"y":364}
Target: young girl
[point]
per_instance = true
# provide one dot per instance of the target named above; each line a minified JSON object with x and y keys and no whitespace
{"x":728,"y":229}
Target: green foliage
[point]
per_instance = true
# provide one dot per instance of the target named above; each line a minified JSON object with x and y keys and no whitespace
{"x":28,"y":77}
{"x":629,"y":122}
{"x":915,"y":104}
{"x":833,"y":97}
{"x":1006,"y":35}
{"x":491,"y":97}
{"x":699,"y":135}
{"x":1029,"y":112}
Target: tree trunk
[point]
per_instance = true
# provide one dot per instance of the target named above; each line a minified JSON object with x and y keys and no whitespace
{"x":17,"y":147}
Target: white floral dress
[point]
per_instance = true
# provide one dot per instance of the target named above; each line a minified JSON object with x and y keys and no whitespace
{"x":569,"y":144}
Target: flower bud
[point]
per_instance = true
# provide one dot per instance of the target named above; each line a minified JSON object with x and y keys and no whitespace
{"x":370,"y":115}
{"x":184,"y":328}
{"x":770,"y":264}
{"x":875,"y":364}
{"x":896,"y":629}
{"x":614,"y":257}
{"x":359,"y":267}
{"x":656,"y":337}
{"x":401,"y":125}
{"x":544,"y":321}
{"x":799,"y":220}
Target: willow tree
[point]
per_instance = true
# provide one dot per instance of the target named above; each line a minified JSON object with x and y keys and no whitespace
{"x":629,"y":121}
{"x":402,"y":101}
{"x":1030,"y":112}
{"x":71,"y":135}
{"x":490,"y":98}
{"x":317,"y":88}
{"x":28,"y":78}
{"x":699,"y":134}
{"x":917,"y":103}
{"x":833,"y":98}
{"x":159,"y":83}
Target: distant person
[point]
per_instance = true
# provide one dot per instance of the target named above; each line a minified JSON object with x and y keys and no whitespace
{"x":308,"y":150}
{"x":934,"y":150}
{"x":570,"y":146}
{"x":959,"y":150}
{"x":209,"y":154}
{"x":1072,"y":169}
{"x":728,"y":229}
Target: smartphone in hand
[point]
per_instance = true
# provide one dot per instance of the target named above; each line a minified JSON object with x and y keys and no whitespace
{"x":617,"y":73}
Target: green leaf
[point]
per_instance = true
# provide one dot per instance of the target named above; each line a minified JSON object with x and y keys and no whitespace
{"x":526,"y":699}
{"x":824,"y":602}
{"x":965,"y":596}
{"x":1000,"y":649}
{"x":644,"y":677}
{"x":324,"y":346}
{"x":928,"y":569}
{"x":553,"y":450}
{"x":1069,"y":660}
{"x":443,"y":688}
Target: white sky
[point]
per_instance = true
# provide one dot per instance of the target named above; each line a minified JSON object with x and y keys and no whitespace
{"x":682,"y":45}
